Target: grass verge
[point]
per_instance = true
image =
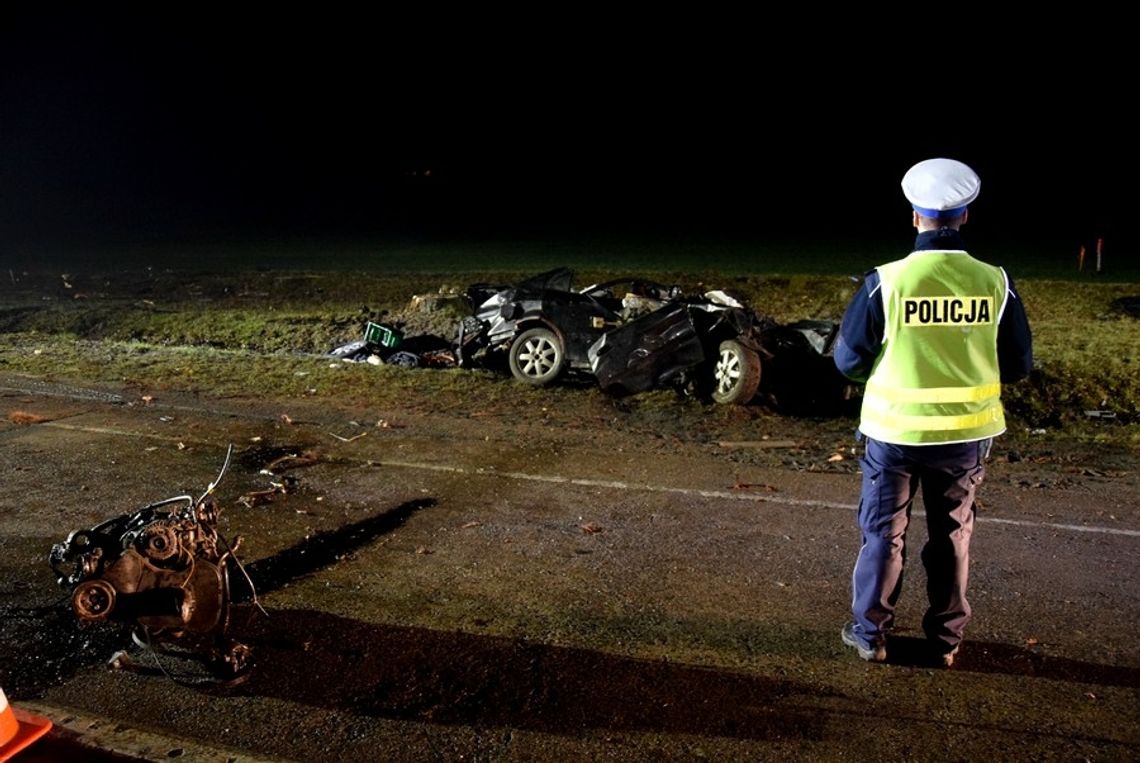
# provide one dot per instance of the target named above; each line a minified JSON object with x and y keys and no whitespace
{"x":262,"y":333}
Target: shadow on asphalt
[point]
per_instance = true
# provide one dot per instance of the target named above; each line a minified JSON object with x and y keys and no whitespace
{"x":1005,"y":659}
{"x":405,"y":673}
{"x":333,"y":662}
{"x":324,"y":549}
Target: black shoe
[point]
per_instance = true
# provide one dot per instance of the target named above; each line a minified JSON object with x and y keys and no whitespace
{"x":877,"y":652}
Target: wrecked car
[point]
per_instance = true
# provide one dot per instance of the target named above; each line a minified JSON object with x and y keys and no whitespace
{"x":543,"y":325}
{"x":710,"y":342}
{"x":633,"y":334}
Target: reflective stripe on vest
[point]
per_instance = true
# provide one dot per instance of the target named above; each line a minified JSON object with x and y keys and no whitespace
{"x":902,"y":422}
{"x":934,"y":394}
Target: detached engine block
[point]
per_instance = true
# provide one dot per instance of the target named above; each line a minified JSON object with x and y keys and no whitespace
{"x":163,"y":569}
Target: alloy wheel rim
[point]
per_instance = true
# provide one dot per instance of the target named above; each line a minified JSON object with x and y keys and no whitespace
{"x":727,"y":370}
{"x":538,"y":357}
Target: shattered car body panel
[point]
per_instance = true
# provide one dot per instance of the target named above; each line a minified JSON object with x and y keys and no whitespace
{"x":546,"y":300}
{"x":647,"y":352}
{"x":683,"y":342}
{"x":799,"y":373}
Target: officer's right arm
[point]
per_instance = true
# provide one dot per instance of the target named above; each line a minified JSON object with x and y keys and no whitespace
{"x":861,"y":332}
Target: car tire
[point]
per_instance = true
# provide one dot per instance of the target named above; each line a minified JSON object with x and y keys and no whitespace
{"x":736,"y":373}
{"x":537,"y":356}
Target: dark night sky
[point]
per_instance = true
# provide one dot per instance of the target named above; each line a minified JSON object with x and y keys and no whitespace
{"x":123,"y":126}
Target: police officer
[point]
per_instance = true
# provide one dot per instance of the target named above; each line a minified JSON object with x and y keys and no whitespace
{"x":933,"y":336}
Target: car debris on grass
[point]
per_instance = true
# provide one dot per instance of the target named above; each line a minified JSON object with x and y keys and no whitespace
{"x":387,"y":345}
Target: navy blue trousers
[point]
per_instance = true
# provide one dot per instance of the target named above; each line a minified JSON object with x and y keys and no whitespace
{"x":892,"y":475}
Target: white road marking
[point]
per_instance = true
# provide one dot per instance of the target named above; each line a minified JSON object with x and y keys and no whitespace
{"x":727,"y":495}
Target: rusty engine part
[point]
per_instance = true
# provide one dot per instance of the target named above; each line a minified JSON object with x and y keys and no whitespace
{"x":163,"y":569}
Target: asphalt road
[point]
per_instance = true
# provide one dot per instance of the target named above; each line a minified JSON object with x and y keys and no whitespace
{"x":446,"y":588}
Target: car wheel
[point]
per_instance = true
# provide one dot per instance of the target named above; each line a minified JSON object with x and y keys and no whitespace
{"x":537,"y":356}
{"x":736,"y":375}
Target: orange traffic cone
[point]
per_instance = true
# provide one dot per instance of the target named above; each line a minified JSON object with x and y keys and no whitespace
{"x":18,"y":729}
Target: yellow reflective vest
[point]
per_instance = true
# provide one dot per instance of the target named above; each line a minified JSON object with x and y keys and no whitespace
{"x":936,"y":379}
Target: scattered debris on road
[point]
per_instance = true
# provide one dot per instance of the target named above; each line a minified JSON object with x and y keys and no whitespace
{"x":347,"y":439}
{"x":25,"y":419}
{"x":291,"y":461}
{"x":738,"y":485}
{"x":286,"y":486}
{"x":758,"y":443}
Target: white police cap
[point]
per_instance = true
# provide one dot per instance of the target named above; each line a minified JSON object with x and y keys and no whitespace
{"x":940,"y":187}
